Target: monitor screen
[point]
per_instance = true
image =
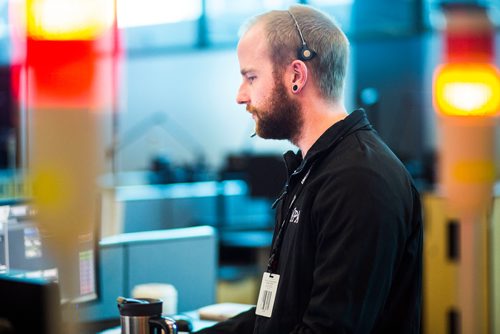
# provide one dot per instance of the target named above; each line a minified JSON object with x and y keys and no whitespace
{"x":29,"y":305}
{"x":25,"y":252}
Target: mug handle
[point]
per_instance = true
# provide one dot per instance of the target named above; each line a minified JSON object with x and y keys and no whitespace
{"x":168,"y":325}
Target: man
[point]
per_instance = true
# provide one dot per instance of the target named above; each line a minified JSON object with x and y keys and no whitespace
{"x":347,"y":249}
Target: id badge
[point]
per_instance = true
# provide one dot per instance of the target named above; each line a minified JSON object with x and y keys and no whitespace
{"x":267,"y":294}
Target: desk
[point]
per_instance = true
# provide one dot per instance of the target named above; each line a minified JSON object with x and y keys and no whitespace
{"x":197,"y":324}
{"x":215,"y":311}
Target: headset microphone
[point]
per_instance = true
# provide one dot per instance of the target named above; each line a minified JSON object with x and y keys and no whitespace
{"x":253,"y":134}
{"x":304,"y":53}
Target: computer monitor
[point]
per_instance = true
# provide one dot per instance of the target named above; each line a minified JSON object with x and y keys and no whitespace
{"x":29,"y":305}
{"x":26,"y":252}
{"x":264,"y":173}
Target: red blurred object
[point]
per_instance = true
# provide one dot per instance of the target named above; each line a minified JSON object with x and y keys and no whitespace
{"x":63,"y":73}
{"x":463,"y":47}
{"x":52,"y":72}
{"x":469,"y":35}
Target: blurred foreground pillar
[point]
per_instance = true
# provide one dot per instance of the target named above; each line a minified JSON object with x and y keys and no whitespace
{"x":70,"y":49}
{"x":467,"y":100}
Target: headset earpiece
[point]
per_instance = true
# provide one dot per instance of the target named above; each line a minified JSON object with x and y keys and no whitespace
{"x":305,"y":53}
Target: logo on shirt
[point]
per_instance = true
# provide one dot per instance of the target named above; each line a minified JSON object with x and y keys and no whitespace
{"x":295,"y":216}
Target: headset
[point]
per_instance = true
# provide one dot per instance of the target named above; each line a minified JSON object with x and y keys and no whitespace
{"x":304,"y":52}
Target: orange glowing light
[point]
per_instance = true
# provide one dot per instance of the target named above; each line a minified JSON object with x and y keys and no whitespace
{"x":69,"y":19}
{"x":467,"y":89}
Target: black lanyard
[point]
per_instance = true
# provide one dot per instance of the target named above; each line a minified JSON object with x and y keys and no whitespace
{"x":273,"y":259}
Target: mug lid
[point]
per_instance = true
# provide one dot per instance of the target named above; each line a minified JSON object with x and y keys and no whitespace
{"x":139,"y":306}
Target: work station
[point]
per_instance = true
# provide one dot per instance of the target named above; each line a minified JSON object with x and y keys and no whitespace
{"x":143,"y":189}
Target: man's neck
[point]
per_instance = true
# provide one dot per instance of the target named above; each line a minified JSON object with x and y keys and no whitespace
{"x":318,"y":117}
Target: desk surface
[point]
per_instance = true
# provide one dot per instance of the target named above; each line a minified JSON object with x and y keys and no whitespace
{"x":197,"y":324}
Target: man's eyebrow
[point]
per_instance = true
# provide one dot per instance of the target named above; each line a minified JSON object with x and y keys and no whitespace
{"x":244,"y":71}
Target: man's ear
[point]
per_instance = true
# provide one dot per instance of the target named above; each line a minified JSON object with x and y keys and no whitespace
{"x":299,"y":74}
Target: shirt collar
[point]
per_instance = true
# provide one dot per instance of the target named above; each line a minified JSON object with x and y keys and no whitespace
{"x":335,"y":133}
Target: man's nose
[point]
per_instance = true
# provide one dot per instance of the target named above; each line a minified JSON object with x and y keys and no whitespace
{"x":242,"y":97}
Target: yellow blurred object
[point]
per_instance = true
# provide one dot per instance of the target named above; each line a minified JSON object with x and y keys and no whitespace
{"x":244,"y":290}
{"x":494,"y":230}
{"x":466,"y":166}
{"x":65,"y":164}
{"x":442,"y":261}
{"x":69,"y":19}
{"x":463,"y":89}
{"x":52,"y":187}
{"x":474,"y":171}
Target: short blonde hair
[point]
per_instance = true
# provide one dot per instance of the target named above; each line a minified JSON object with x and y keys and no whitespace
{"x":321,"y":34}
